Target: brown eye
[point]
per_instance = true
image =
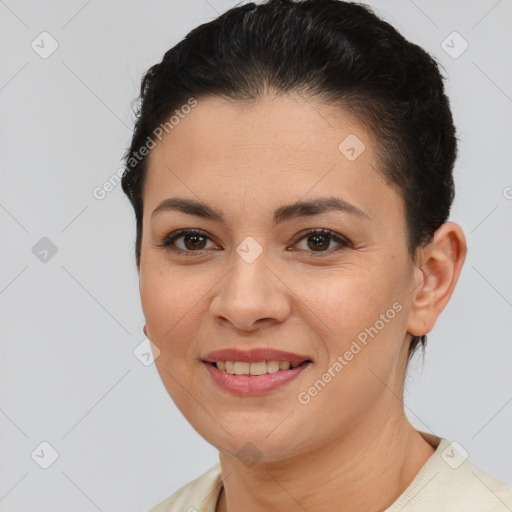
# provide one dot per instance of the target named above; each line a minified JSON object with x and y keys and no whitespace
{"x":319,"y":240}
{"x":192,"y":240}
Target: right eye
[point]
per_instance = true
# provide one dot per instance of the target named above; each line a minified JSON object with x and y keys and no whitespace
{"x":193,"y":240}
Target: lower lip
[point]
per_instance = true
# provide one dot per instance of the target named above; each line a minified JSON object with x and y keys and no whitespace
{"x":246,"y":385}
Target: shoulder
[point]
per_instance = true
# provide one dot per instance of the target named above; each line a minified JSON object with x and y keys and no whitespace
{"x":199,"y":495}
{"x":469,"y":486}
{"x":450,"y":482}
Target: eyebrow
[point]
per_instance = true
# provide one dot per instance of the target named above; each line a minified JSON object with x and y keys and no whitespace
{"x":281,"y":214}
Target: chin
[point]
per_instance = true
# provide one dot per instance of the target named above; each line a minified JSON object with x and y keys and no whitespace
{"x":252,"y":444}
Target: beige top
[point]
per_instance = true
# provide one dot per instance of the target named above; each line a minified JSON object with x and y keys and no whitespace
{"x":447,"y":482}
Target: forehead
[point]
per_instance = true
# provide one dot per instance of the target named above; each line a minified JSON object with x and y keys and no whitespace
{"x":265,"y":151}
{"x":284,"y":125}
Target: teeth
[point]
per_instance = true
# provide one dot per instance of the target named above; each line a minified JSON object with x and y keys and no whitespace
{"x":242,"y":368}
{"x":272,"y":366}
{"x":258,"y":368}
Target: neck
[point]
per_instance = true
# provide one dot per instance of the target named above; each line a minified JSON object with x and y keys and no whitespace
{"x":363,"y":470}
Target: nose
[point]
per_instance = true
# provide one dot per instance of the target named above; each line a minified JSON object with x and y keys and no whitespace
{"x":250,"y":295}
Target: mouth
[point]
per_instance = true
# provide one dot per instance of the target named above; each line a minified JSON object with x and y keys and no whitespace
{"x":254,"y":372}
{"x":240,"y":356}
{"x":256,"y":368}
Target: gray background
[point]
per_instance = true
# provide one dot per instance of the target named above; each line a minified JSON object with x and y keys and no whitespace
{"x":70,"y":324}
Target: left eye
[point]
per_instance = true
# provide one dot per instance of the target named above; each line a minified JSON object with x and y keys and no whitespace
{"x":321,"y":239}
{"x":194,"y":241}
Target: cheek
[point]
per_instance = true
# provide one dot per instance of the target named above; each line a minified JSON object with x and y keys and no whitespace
{"x":359,"y":316}
{"x":363,"y":319}
{"x":171,"y":304}
{"x":172,"y":309}
{"x":345,"y":301}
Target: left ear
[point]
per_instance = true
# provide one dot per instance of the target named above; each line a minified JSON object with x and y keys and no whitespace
{"x":437,"y":271}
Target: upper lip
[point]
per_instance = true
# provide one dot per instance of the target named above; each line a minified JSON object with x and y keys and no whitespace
{"x":254,"y":355}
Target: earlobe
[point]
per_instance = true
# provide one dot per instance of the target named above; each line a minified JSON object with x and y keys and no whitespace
{"x":145,"y":331}
{"x":438,"y":269}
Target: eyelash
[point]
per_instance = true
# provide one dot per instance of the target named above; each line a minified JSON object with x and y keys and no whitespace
{"x":170,"y":239}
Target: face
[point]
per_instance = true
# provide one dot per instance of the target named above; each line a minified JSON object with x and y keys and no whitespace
{"x":252,"y":277}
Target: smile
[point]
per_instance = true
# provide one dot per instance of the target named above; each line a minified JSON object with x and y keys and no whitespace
{"x":256,"y":368}
{"x":256,"y":378}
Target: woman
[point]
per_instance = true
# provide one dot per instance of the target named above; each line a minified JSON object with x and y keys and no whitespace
{"x":291,"y":176}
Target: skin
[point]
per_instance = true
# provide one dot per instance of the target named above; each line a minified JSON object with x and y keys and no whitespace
{"x":352,"y":440}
